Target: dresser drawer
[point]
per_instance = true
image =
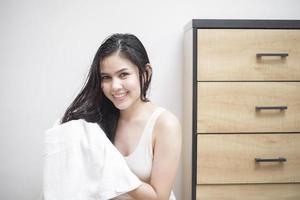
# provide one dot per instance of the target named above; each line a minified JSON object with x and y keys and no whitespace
{"x":249,"y":192}
{"x":227,"y":107}
{"x":230,"y":158}
{"x":231,"y":54}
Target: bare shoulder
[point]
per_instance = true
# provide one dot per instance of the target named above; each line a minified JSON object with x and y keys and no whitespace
{"x":167,"y":124}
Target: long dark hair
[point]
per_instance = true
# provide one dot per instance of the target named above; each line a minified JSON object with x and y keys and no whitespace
{"x":91,"y":104}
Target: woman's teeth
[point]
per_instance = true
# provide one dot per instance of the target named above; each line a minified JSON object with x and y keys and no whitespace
{"x":119,"y":95}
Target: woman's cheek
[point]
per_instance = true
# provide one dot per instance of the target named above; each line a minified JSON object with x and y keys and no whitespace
{"x":133,"y":84}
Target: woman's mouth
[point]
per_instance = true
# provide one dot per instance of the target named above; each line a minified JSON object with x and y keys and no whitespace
{"x":120,"y":96}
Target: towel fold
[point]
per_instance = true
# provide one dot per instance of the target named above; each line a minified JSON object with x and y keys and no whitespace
{"x":80,"y":163}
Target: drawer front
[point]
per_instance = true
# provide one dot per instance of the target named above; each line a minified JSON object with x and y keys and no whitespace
{"x":230,"y":158}
{"x":231,"y":54}
{"x":249,"y":192}
{"x":229,"y":107}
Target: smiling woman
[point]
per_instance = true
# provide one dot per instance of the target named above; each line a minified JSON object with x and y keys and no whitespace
{"x":147,"y":136}
{"x":120,"y":81}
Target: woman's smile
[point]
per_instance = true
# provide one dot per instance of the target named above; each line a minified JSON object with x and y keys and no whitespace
{"x":120,"y":97}
{"x":120,"y":81}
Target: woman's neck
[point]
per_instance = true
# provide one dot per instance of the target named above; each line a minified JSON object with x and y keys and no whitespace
{"x":135,"y":112}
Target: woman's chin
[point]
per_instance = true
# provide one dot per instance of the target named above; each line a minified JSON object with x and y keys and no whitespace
{"x":121,"y":106}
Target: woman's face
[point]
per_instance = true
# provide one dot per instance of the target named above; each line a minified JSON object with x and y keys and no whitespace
{"x":120,"y":81}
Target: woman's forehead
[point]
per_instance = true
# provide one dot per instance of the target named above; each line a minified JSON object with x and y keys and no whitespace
{"x":116,"y":63}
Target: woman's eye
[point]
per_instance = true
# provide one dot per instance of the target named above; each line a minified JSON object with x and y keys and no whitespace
{"x":124,"y":75}
{"x":104,"y":78}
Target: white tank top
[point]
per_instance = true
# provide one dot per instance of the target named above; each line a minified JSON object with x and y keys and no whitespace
{"x":140,"y":160}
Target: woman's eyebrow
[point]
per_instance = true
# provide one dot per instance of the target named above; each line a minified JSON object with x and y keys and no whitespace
{"x":119,"y":71}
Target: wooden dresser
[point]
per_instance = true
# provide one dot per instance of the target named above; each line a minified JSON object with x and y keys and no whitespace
{"x":241,"y":130}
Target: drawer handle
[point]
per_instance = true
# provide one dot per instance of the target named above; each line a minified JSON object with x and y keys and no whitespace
{"x":280,"y":159}
{"x":271,"y":108}
{"x":283,"y":55}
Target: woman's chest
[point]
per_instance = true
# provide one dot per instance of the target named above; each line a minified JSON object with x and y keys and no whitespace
{"x":128,"y":137}
{"x":136,"y":147}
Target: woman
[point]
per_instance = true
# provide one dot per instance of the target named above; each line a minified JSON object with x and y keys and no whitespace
{"x":115,"y":97}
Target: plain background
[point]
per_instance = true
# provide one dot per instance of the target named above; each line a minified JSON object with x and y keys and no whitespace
{"x":46,"y":48}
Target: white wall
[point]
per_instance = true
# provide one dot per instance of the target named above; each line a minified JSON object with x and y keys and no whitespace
{"x":46,"y":48}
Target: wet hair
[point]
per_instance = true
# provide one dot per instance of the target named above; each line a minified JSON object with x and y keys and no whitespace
{"x":91,"y":104}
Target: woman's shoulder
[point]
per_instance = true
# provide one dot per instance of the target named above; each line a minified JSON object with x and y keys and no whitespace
{"x":167,"y":132}
{"x":167,"y":117}
{"x":168,"y":123}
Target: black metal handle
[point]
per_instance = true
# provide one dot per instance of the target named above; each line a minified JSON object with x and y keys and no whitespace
{"x":271,"y":107}
{"x":283,"y":55}
{"x":280,"y":159}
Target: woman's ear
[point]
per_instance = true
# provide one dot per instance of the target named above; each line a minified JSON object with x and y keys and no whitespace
{"x":148,"y":71}
{"x":146,"y":76}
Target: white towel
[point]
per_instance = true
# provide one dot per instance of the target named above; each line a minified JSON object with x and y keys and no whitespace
{"x":80,"y":163}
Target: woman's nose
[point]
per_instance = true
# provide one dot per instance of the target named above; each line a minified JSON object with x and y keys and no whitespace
{"x":116,"y":84}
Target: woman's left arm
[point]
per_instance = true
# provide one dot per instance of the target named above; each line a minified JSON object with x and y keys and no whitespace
{"x":166,"y":155}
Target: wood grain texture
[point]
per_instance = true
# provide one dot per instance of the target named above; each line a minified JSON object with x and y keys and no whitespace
{"x":231,"y":54}
{"x":229,"y":107}
{"x":249,"y":192}
{"x":230,"y":158}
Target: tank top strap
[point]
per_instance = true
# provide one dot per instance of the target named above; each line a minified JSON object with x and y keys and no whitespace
{"x":152,"y":120}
